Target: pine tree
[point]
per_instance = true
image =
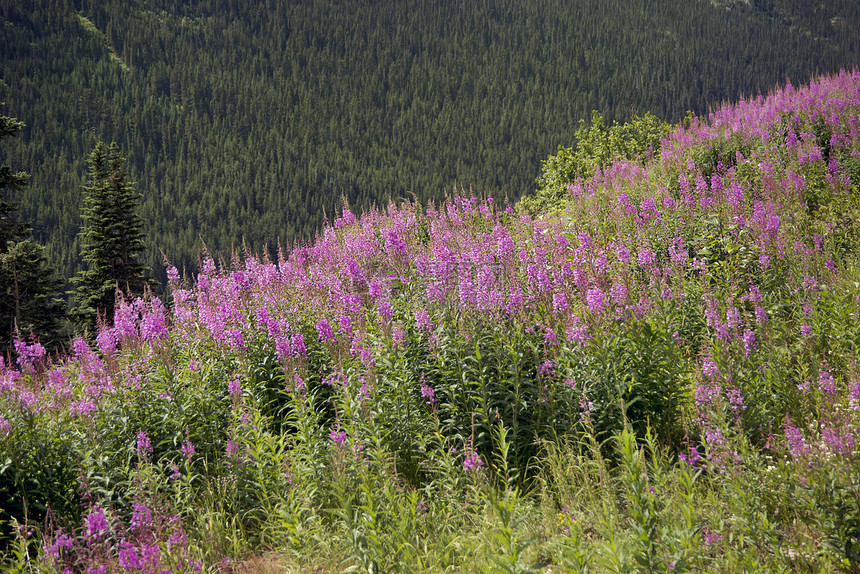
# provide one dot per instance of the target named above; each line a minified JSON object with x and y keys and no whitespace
{"x":111,"y":240}
{"x":30,"y":302}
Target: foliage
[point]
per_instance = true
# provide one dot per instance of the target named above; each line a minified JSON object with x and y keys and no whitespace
{"x":29,"y":289}
{"x":111,"y":240}
{"x":660,"y":376}
{"x":596,"y":147}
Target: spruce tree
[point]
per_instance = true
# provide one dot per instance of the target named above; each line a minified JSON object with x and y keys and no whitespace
{"x":111,"y":240}
{"x":30,"y":302}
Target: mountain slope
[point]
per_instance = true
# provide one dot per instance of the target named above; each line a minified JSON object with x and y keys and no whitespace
{"x":246,"y":122}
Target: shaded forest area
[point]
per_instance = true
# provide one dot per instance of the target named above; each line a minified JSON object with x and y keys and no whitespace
{"x":247,"y":121}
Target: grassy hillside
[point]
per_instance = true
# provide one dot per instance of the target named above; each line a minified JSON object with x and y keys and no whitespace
{"x":662,"y":377}
{"x":246,"y":122}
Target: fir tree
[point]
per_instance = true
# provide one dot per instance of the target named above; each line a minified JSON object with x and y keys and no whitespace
{"x":111,"y":240}
{"x":30,"y":302}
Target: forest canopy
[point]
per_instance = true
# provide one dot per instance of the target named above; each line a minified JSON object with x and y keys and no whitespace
{"x":245,"y":124}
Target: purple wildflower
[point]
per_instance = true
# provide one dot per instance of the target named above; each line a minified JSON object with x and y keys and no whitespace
{"x":298,"y":344}
{"x":338,"y":436}
{"x":428,"y":393}
{"x":826,"y":383}
{"x":596,"y":300}
{"x":840,"y":440}
{"x":96,"y":522}
{"x":691,"y":457}
{"x":326,"y":332}
{"x":231,"y":450}
{"x":188,"y":450}
{"x":141,"y":516}
{"x":234,"y":387}
{"x":144,"y":447}
{"x":472,"y":462}
{"x":29,"y":356}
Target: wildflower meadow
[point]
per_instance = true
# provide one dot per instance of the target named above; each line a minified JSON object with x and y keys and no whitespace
{"x":658,"y":375}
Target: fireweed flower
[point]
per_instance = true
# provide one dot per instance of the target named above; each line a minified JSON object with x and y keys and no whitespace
{"x":29,"y":356}
{"x":710,"y":368}
{"x":365,"y":390}
{"x":128,"y":557}
{"x":338,"y":436}
{"x":172,"y":275}
{"x":472,"y":462}
{"x":712,"y":538}
{"x":800,"y":451}
{"x":234,"y":387}
{"x":188,"y":450}
{"x":144,"y":447}
{"x":125,"y":319}
{"x":325,"y":331}
{"x":691,"y":457}
{"x":153,"y":326}
{"x":282,"y":347}
{"x":106,"y":341}
{"x":345,"y":326}
{"x":298,"y":344}
{"x":586,"y":407}
{"x":422,"y":319}
{"x":736,"y":400}
{"x":840,"y":440}
{"x":559,"y":303}
{"x":298,"y":383}
{"x":141,"y":516}
{"x":231,"y":450}
{"x":428,"y":393}
{"x":62,"y":541}
{"x":595,"y":300}
{"x":646,"y":257}
{"x":546,"y":369}
{"x":750,"y":344}
{"x":96,"y":522}
{"x":398,"y":335}
{"x":854,"y":394}
{"x":236,"y":338}
{"x":177,"y":539}
{"x":826,"y":383}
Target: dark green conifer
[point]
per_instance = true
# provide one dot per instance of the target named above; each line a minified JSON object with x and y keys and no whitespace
{"x":30,"y":302}
{"x":11,"y":226}
{"x":111,"y":240}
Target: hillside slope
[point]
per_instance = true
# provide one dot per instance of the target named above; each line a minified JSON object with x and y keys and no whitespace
{"x":663,"y":375}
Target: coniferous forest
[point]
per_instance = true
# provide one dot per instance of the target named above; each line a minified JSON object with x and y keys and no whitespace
{"x":245,"y":124}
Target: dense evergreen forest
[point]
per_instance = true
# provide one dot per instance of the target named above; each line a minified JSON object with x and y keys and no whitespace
{"x":247,"y":121}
